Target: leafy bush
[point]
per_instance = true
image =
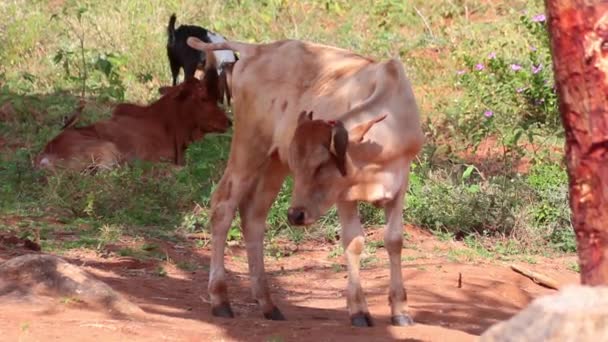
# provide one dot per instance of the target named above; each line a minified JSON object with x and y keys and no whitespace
{"x":509,"y":96}
{"x":96,"y":72}
{"x":463,"y":207}
{"x":550,"y":211}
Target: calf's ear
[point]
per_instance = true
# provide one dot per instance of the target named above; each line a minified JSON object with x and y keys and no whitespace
{"x":183,"y":94}
{"x":339,"y":144}
{"x":163,"y":90}
{"x":358,"y":132}
{"x":304,"y":116}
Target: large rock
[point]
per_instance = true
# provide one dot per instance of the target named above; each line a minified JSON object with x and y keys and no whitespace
{"x":29,"y":277}
{"x":576,"y":313}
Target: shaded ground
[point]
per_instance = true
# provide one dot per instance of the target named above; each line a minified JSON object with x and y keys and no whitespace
{"x":308,"y":286}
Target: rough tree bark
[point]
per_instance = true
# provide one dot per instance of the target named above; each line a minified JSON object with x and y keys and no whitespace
{"x":579,"y":44}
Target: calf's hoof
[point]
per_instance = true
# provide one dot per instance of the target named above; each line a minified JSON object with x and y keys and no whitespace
{"x":274,"y":315}
{"x":402,"y":320}
{"x":222,"y":310}
{"x":361,"y":319}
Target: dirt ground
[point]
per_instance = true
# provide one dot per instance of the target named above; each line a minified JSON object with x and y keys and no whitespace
{"x":307,"y":285}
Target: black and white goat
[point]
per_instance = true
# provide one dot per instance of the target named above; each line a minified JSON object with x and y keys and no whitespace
{"x":182,"y":56}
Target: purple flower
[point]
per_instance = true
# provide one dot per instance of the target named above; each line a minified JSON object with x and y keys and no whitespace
{"x":515,"y":67}
{"x":460,"y":72}
{"x":537,"y":69}
{"x":539,"y":18}
{"x":533,"y":48}
{"x":479,"y":66}
{"x":520,"y":90}
{"x":492,"y":55}
{"x":488,"y":113}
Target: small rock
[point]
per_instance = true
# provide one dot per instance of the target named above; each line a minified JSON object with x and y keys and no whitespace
{"x":31,"y":276}
{"x":576,"y":313}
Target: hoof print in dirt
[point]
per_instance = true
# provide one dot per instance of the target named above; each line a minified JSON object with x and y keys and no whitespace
{"x":39,"y":277}
{"x":361,"y":319}
{"x":223,"y":310}
{"x":402,"y":320}
{"x":275,"y":315}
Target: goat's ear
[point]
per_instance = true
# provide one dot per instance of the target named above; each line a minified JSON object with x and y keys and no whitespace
{"x":212,"y":84}
{"x":338,"y":145}
{"x":358,"y":132}
{"x":304,"y":116}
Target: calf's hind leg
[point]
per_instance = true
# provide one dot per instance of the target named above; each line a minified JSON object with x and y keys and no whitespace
{"x":224,"y":201}
{"x":393,"y":242}
{"x":253,"y":210}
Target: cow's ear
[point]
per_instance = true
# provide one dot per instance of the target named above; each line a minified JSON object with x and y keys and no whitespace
{"x":339,"y":144}
{"x":358,"y":132}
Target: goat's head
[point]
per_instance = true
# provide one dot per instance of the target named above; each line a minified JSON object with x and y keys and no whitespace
{"x":318,"y":160}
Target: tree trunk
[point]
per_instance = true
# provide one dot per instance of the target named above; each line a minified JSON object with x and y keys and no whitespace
{"x":579,"y":44}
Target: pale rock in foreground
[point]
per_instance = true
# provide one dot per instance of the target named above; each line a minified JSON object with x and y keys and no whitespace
{"x":576,"y":313}
{"x":34,"y":277}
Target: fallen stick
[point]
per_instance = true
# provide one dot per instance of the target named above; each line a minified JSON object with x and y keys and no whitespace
{"x":537,"y":277}
{"x":201,"y":235}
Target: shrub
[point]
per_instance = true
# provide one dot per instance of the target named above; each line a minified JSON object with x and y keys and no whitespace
{"x":509,"y":96}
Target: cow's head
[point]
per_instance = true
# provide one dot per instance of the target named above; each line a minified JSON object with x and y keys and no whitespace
{"x":320,"y":166}
{"x":199,"y":103}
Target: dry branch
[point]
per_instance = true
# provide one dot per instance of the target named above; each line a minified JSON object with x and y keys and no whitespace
{"x":537,"y":277}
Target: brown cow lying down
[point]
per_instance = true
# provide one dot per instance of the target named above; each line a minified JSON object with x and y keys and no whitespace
{"x":159,"y":132}
{"x":357,"y":146}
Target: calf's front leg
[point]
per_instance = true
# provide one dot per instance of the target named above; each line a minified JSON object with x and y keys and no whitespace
{"x":353,"y":241}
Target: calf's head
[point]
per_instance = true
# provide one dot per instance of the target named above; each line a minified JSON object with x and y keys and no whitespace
{"x":198,"y":103}
{"x":320,"y":166}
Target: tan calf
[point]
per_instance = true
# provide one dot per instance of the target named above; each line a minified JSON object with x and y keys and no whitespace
{"x":346,"y":127}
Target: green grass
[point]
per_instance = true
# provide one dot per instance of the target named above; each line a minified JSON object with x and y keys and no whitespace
{"x":456,"y":197}
{"x":574,"y":266}
{"x":160,"y":271}
{"x":186,"y":266}
{"x":410,"y":258}
{"x":143,"y":252}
